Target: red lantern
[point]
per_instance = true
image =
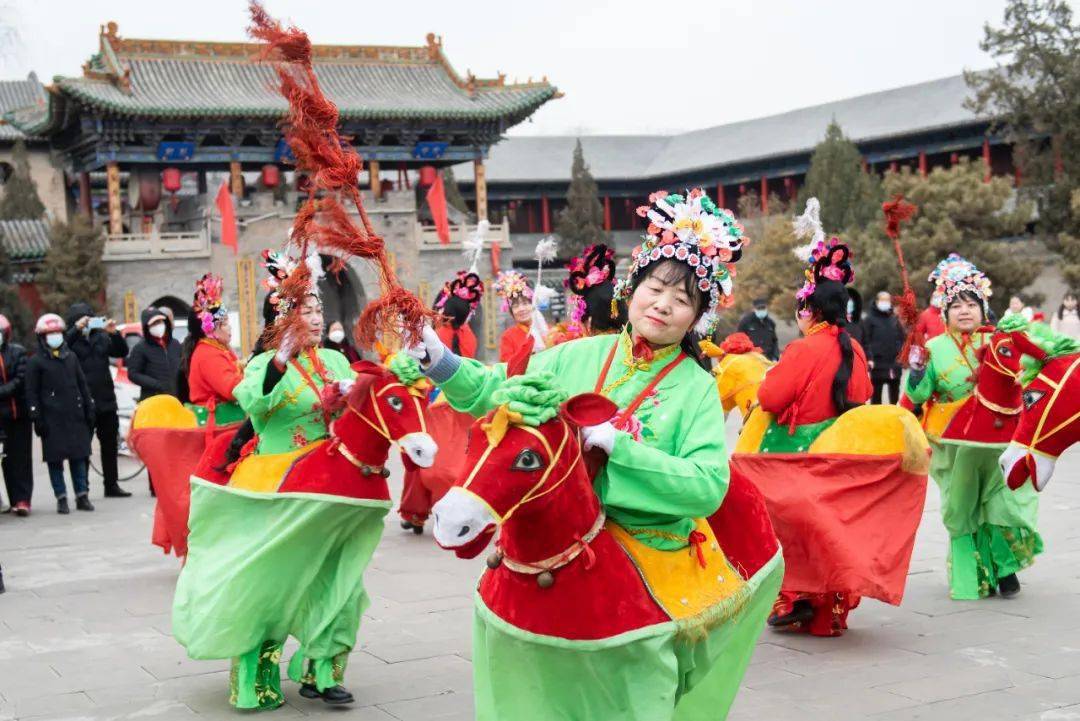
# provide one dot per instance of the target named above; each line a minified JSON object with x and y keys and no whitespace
{"x":427,"y":175}
{"x":170,"y":178}
{"x":271,"y":176}
{"x":149,"y":192}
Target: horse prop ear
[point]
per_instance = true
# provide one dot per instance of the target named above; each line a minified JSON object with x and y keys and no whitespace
{"x":518,"y":363}
{"x":588,"y":409}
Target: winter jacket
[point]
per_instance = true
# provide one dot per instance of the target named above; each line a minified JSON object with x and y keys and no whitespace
{"x":762,"y":332}
{"x":153,"y":363}
{"x":12,"y":381}
{"x":59,"y":403}
{"x":883,"y":337}
{"x":94,"y":351}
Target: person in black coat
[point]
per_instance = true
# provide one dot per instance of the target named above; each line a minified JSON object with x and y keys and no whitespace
{"x":854,"y":316}
{"x":883,"y":338}
{"x":15,"y":426}
{"x":94,"y":340}
{"x":62,"y":410}
{"x":154,"y":362}
{"x":337,"y":340}
{"x":761,"y":328}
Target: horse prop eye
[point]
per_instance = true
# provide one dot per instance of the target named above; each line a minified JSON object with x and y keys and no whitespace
{"x":395,"y":403}
{"x":528,"y":460}
{"x":1005,"y":351}
{"x":1032,"y":397}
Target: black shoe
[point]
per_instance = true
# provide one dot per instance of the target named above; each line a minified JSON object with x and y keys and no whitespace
{"x":801,"y":612}
{"x":1009,"y":585}
{"x":83,"y":503}
{"x":115,"y":491}
{"x":62,"y":506}
{"x":418,"y":529}
{"x":335,"y":695}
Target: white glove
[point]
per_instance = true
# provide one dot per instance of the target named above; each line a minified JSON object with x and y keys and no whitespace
{"x":344,"y":386}
{"x":601,"y":436}
{"x":917,"y":358}
{"x":429,"y":350}
{"x":285,"y":350}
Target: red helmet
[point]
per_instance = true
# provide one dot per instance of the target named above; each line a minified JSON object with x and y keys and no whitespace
{"x":49,"y":323}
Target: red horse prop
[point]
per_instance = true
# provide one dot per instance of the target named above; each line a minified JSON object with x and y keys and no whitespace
{"x":1050,"y":419}
{"x":991,"y":413}
{"x":379,"y":410}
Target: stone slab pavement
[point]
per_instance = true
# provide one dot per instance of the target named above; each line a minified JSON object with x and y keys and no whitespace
{"x":85,"y":632}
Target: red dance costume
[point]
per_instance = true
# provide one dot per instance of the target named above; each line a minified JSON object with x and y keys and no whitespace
{"x":465,"y":338}
{"x":798,"y":390}
{"x":513,"y":338}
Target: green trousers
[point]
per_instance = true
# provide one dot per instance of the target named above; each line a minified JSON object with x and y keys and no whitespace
{"x":992,"y":529}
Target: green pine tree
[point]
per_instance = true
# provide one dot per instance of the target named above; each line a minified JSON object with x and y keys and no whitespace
{"x":10,"y":304}
{"x":581,"y":223}
{"x":20,"y":199}
{"x":957,"y":212}
{"x":73,"y":269}
{"x":850,"y":197}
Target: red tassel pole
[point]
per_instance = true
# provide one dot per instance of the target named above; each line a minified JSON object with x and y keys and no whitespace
{"x":898,"y":211}
{"x":333,"y":166}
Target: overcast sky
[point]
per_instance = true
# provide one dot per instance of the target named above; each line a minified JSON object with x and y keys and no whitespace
{"x":630,"y":66}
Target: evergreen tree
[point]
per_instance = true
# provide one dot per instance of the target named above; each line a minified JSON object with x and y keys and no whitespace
{"x":20,"y":199}
{"x":1032,"y":97}
{"x":73,"y":269}
{"x":957,"y":212}
{"x":454,"y":198}
{"x":850,"y":197}
{"x":10,"y":304}
{"x":581,"y":223}
{"x":769,"y":268}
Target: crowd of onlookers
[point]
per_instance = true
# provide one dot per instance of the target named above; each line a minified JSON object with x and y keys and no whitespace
{"x":882,"y":335}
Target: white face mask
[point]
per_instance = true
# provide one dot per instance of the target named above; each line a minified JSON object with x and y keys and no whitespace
{"x":884,"y":306}
{"x":54,"y":340}
{"x":158,"y":330}
{"x":336,"y":336}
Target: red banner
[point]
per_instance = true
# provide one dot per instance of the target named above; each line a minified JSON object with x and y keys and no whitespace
{"x":228,"y":217}
{"x":436,"y":198}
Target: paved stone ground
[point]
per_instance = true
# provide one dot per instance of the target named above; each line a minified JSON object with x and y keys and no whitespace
{"x":84,"y":633}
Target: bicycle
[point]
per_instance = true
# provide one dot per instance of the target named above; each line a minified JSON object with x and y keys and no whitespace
{"x":127,"y":463}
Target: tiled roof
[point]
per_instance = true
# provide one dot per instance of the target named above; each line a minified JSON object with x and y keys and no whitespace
{"x":877,"y":116}
{"x":25,"y":240}
{"x":15,"y":94}
{"x":170,"y":78}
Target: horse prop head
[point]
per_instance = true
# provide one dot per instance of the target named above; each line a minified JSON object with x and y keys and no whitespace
{"x":1050,"y":420}
{"x":524,"y":469}
{"x":386,"y":405}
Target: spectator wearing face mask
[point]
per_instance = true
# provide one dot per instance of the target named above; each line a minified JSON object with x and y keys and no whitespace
{"x":62,"y":410}
{"x":883,"y":337}
{"x":154,"y":361}
{"x":761,"y":328}
{"x":336,"y":340}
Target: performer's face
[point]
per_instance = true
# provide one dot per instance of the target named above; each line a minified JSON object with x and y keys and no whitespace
{"x":521,"y":310}
{"x":660,"y":312}
{"x":223,"y":331}
{"x":312,"y":317}
{"x":964,"y":315}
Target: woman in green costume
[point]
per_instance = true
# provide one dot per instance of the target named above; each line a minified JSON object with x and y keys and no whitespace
{"x":666,"y":465}
{"x":252,"y":551}
{"x":992,"y":530}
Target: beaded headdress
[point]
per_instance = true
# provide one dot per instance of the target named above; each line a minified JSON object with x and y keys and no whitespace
{"x":509,"y":285}
{"x":594,"y":267}
{"x":467,"y":286}
{"x":283,"y":268}
{"x":691,"y":229}
{"x":956,"y":275}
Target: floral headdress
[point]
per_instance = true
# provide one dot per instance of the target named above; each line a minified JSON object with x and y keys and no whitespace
{"x":467,"y":286}
{"x":594,"y":267}
{"x":694,"y":230}
{"x":208,"y":302}
{"x":284,"y":270}
{"x":825,"y":259}
{"x":509,"y":285}
{"x":956,"y":275}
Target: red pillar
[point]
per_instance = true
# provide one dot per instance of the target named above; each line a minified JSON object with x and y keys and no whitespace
{"x":922,"y":163}
{"x":607,"y":213}
{"x":893,"y":167}
{"x":954,"y":159}
{"x":545,"y":215}
{"x":764,"y":195}
{"x":986,"y":160}
{"x":789,"y":188}
{"x":720,"y":196}
{"x":84,"y":196}
{"x":1019,"y":177}
{"x":531,"y":213}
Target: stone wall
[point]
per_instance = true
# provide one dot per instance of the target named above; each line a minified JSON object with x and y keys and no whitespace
{"x":47,"y":177}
